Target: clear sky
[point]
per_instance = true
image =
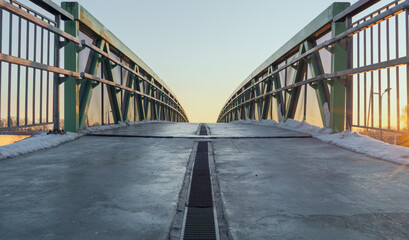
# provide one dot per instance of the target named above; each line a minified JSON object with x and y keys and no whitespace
{"x":204,"y":49}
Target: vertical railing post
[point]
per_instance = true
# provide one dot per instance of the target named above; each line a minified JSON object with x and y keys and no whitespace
{"x":339,"y":63}
{"x":349,"y":85}
{"x":56,"y":82}
{"x":71,"y":86}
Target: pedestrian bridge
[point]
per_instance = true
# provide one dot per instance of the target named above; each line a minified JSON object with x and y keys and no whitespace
{"x":161,"y":177}
{"x":266,"y":183}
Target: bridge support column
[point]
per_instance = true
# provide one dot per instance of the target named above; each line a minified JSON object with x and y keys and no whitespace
{"x":71,"y":86}
{"x":339,"y":63}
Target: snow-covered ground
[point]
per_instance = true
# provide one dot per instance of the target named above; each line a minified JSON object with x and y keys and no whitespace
{"x":351,"y":141}
{"x":43,"y":141}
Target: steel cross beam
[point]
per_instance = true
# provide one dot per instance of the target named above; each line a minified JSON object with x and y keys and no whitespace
{"x":87,"y":86}
{"x":139,"y":100}
{"x":112,"y":91}
{"x":127,"y":95}
{"x":320,"y":87}
{"x":279,"y":95}
{"x":295,"y":92}
{"x":266,"y":103}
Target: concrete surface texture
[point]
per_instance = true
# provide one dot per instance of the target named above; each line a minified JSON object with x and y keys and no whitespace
{"x":247,"y":130}
{"x":158,"y":129}
{"x":96,"y":187}
{"x":127,"y":188}
{"x":307,"y":189}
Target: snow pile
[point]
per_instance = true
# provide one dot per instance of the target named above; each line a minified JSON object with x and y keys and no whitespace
{"x":303,"y":127}
{"x":95,"y":129}
{"x":351,"y":141}
{"x":43,"y":141}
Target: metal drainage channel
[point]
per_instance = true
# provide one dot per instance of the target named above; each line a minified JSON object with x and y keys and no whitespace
{"x":203,"y":130}
{"x":199,"y":222}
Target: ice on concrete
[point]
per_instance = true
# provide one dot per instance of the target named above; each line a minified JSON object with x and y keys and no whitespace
{"x":158,"y":129}
{"x":351,"y":141}
{"x":95,"y":188}
{"x":304,"y":188}
{"x":44,"y":140}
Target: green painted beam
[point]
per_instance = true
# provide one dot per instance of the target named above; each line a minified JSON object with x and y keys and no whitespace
{"x":146,"y":101}
{"x":87,"y":19}
{"x":320,"y":87}
{"x":71,"y":87}
{"x":112,"y":93}
{"x":267,"y":100}
{"x":162,"y":106}
{"x":53,"y":8}
{"x":295,"y":93}
{"x":258,"y":103}
{"x":154,"y":104}
{"x":87,"y":86}
{"x":127,"y":95}
{"x":139,"y":100}
{"x":279,"y":95}
{"x":338,"y":90}
{"x":316,"y":24}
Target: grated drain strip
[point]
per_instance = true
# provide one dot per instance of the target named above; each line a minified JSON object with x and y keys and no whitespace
{"x":201,"y":188}
{"x":200,"y":219}
{"x":203,"y":130}
{"x":200,"y":224}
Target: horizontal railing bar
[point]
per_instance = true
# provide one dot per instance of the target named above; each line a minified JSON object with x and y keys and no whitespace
{"x":381,"y":129}
{"x":98,"y":30}
{"x":107,"y":82}
{"x":375,"y":12}
{"x":379,"y":18}
{"x":99,"y":51}
{"x":33,"y":11}
{"x":26,"y":126}
{"x":374,"y":67}
{"x":40,"y":66}
{"x":53,"y":8}
{"x":339,"y":37}
{"x":370,"y":68}
{"x":13,"y":9}
{"x":37,"y":65}
{"x":166,"y":99}
{"x":354,"y":9}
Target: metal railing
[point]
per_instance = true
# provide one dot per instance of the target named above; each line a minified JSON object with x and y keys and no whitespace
{"x":329,"y":72}
{"x":104,"y":82}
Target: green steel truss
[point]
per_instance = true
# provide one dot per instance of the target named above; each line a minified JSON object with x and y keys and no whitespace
{"x":152,"y":98}
{"x":253,"y":99}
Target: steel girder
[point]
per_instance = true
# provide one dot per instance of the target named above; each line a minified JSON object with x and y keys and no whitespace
{"x":127,"y":95}
{"x":71,"y":87}
{"x":338,"y":88}
{"x":152,"y":98}
{"x":294,"y":93}
{"x":112,"y":91}
{"x":87,"y":86}
{"x":268,"y":86}
{"x":320,"y":87}
{"x":279,"y":95}
{"x":252,"y":99}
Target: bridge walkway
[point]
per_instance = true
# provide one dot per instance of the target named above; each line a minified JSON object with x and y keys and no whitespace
{"x":282,"y":186}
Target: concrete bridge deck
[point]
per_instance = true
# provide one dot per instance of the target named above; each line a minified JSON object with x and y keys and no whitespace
{"x":100,"y":187}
